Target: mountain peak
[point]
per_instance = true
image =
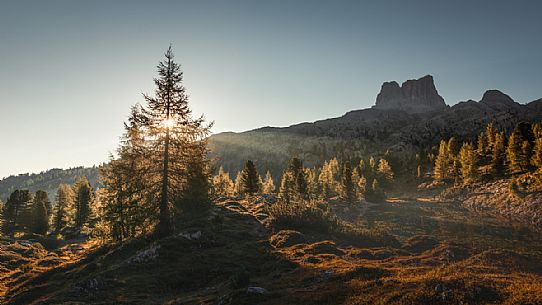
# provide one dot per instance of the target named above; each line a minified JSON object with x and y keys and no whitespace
{"x":496,"y":96}
{"x":413,"y":96}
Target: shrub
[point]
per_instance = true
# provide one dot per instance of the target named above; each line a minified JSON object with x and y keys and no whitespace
{"x":301,"y":216}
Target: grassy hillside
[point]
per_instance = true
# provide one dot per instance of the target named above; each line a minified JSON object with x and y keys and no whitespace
{"x":437,"y":253}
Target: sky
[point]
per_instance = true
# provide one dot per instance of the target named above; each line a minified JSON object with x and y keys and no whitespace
{"x":70,"y":70}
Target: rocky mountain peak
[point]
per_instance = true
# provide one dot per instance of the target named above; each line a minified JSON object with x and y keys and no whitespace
{"x":496,"y":96}
{"x":413,"y":96}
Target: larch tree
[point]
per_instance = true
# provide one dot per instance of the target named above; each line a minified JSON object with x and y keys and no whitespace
{"x":286,"y":188}
{"x":313,"y":187}
{"x":222,"y":183}
{"x":384,"y":172}
{"x":268,"y":184}
{"x":498,"y":155}
{"x":325,"y":181}
{"x":347,"y":186}
{"x":17,"y":212}
{"x":62,"y":211}
{"x":467,"y":158}
{"x":169,"y":163}
{"x":519,"y":148}
{"x":249,"y":178}
{"x":526,"y":155}
{"x":42,"y":196}
{"x":126,"y":204}
{"x":40,"y":219}
{"x":513,"y":153}
{"x":441,"y":163}
{"x":82,"y":201}
{"x":537,"y":155}
{"x":177,"y":140}
{"x":238,"y":185}
{"x":490,"y":136}
{"x":355,"y":179}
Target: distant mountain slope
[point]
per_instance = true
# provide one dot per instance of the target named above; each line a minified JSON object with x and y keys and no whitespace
{"x":47,"y":180}
{"x":407,"y":119}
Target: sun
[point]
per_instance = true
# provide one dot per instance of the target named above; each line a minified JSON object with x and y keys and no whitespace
{"x":168,"y":123}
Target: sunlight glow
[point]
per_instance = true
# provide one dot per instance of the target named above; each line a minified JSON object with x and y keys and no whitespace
{"x":168,"y":123}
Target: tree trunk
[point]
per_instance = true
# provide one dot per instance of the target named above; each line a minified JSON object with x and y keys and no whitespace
{"x":164,"y":225}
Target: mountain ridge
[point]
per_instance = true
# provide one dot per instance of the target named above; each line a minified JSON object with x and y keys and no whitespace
{"x":357,"y":133}
{"x":374,"y":131}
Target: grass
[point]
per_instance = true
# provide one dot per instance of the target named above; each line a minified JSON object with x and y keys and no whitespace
{"x":401,"y":252}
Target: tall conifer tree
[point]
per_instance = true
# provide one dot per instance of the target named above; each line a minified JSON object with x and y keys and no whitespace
{"x":249,"y":178}
{"x":83,"y":198}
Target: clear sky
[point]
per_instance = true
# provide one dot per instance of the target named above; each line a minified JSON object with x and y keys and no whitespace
{"x":70,"y":70}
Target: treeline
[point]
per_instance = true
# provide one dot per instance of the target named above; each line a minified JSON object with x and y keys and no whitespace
{"x":27,"y":212}
{"x":48,"y":180}
{"x":351,"y":182}
{"x":493,"y":155}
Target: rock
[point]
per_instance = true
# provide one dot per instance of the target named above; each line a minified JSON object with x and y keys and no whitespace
{"x":144,"y":256}
{"x":257,"y":290}
{"x":88,"y":287}
{"x":191,"y":236}
{"x":439,"y":288}
{"x":326,"y":274}
{"x":413,"y":96}
{"x":287,"y":238}
{"x":497,"y":100}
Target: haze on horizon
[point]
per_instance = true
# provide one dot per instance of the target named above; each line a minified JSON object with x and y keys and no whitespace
{"x":69,"y":71}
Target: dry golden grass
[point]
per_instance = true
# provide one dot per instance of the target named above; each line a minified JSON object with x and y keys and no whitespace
{"x":441,"y":255}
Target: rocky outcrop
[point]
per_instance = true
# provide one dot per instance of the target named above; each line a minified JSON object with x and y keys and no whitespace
{"x":496,"y":198}
{"x":498,"y":101}
{"x":413,"y":96}
{"x":374,"y":131}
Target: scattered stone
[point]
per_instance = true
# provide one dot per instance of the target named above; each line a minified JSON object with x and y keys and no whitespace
{"x":88,"y":287}
{"x":257,"y":290}
{"x":144,"y":256}
{"x":439,"y":288}
{"x":326,"y":274}
{"x":191,"y":236}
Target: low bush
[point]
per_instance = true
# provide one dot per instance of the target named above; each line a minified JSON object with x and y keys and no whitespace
{"x":302,"y":216}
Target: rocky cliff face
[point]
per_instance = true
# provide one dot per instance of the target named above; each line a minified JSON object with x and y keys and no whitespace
{"x":413,"y":96}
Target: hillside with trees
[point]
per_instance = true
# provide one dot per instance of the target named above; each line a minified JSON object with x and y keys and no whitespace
{"x":48,"y":180}
{"x":376,"y":131}
{"x":500,"y":172}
